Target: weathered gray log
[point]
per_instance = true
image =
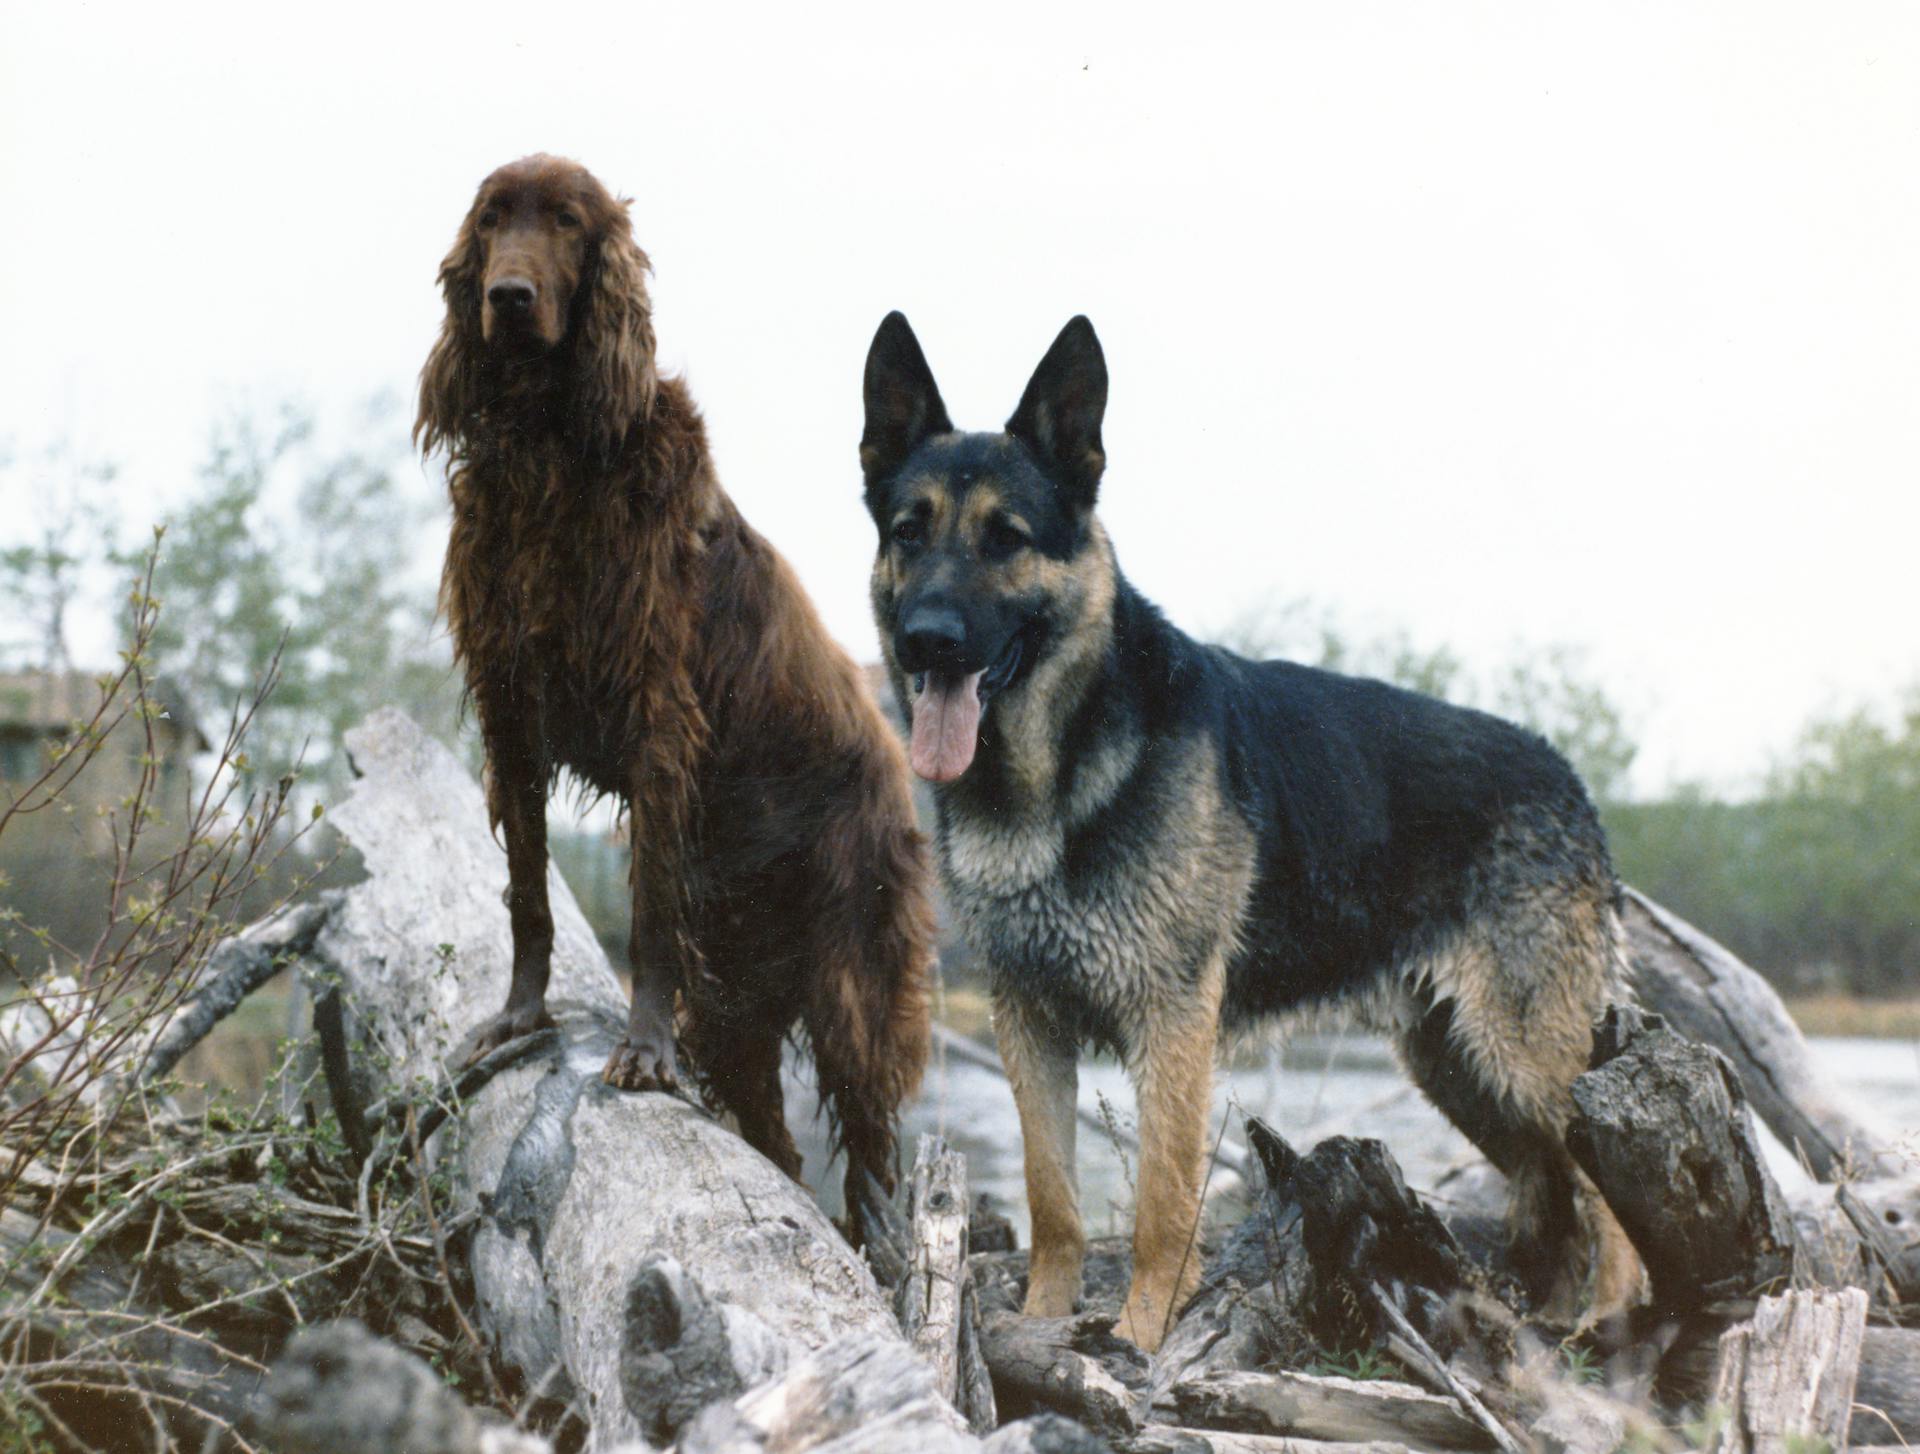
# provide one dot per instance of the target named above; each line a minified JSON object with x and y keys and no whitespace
{"x":1863,"y":1234}
{"x":1581,"y":1421}
{"x":1167,"y":1439}
{"x":933,"y":1299}
{"x":237,"y":967}
{"x":1073,"y":1366}
{"x":337,"y":1387}
{"x":581,"y":1192}
{"x":1662,"y":1128}
{"x":202,"y":1388}
{"x":1705,"y":992}
{"x":861,"y":1393}
{"x":975,"y":1397}
{"x":1886,"y":1398}
{"x":1315,"y":1407}
{"x":1253,"y":1304}
{"x":1787,"y":1374}
{"x":1045,"y":1434}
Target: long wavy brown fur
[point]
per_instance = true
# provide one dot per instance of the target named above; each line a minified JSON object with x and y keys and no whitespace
{"x":615,"y":616}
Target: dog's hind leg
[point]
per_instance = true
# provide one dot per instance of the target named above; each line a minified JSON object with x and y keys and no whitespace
{"x":1498,"y":1030}
{"x":867,"y":1007}
{"x":1040,"y":1059}
{"x":742,"y":1069}
{"x":1173,"y":1070}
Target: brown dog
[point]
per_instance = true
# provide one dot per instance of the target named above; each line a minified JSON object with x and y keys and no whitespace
{"x":616,"y":616}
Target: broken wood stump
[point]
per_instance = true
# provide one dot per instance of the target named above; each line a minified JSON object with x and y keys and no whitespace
{"x":938,"y":1310}
{"x":1662,"y":1129}
{"x":1787,"y":1375}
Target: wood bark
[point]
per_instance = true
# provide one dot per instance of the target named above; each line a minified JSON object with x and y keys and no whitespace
{"x":581,"y":1194}
{"x":858,"y":1394}
{"x":1886,"y":1398}
{"x":1073,"y":1366}
{"x":1705,"y":992}
{"x":1340,"y":1409}
{"x":1167,"y":1439}
{"x":1787,"y":1374}
{"x":337,"y":1387}
{"x":1662,"y":1128}
{"x":933,"y":1300}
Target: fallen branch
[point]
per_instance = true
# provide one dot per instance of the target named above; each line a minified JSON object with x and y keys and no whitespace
{"x":1706,"y":993}
{"x":237,"y":967}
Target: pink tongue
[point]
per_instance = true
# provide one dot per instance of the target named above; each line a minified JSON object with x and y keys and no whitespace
{"x":946,"y":726}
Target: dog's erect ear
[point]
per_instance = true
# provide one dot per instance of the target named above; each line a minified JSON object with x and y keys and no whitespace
{"x":1060,"y":413}
{"x":903,"y":403}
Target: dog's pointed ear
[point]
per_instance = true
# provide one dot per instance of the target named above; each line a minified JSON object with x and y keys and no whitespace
{"x":903,"y":402}
{"x":1060,"y":413}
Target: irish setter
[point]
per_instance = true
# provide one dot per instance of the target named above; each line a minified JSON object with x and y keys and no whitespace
{"x":616,"y":616}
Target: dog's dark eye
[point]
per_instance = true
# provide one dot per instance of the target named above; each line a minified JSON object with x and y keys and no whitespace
{"x":1003,"y":538}
{"x":567,"y":218}
{"x":909,"y":534}
{"x":490,"y":217}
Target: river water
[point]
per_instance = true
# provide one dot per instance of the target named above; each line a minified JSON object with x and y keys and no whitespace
{"x":1317,"y":1086}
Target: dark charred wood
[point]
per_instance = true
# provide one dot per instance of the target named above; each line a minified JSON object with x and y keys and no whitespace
{"x":1072,"y":1366}
{"x":1663,"y":1129}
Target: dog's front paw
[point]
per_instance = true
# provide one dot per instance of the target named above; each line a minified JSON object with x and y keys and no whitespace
{"x":1145,"y":1318}
{"x":644,"y":1065}
{"x":1051,"y":1297}
{"x":507,"y":1026}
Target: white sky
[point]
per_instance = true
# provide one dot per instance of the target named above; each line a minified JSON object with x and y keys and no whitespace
{"x":1513,"y":322}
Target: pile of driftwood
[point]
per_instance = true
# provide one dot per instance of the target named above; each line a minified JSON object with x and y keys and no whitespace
{"x":621,"y":1272}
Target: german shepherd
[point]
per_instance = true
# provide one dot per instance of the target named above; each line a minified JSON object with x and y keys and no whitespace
{"x":1149,"y":841}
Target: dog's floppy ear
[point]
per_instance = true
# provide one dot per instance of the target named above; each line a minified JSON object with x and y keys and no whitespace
{"x":903,"y":403}
{"x":1060,"y":413}
{"x":450,"y":383}
{"x":615,"y":382}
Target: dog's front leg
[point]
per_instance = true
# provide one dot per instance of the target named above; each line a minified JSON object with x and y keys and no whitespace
{"x":1040,"y":1061}
{"x":661,"y":949}
{"x":517,"y":802}
{"x":1173,"y":1074}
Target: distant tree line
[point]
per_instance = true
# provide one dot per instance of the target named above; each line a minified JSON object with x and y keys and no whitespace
{"x":306,"y":559}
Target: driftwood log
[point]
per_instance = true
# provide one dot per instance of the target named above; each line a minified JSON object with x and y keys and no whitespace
{"x":337,"y":1388}
{"x":635,"y":1262}
{"x":1662,"y":1128}
{"x":585,"y":1197}
{"x":1705,"y":992}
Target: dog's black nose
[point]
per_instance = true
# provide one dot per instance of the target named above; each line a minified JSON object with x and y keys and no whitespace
{"x":933,"y":632}
{"x":511,"y":295}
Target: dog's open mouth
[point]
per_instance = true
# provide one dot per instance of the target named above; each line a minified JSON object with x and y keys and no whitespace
{"x":946,"y":714}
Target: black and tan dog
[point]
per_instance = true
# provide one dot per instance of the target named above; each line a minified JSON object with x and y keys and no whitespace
{"x":1149,"y":840}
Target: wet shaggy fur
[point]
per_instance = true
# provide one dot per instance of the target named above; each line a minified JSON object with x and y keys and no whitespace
{"x":1156,"y":840}
{"x":615,"y":616}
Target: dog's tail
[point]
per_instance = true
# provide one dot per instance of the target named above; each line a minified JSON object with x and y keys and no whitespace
{"x":868,"y":1008}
